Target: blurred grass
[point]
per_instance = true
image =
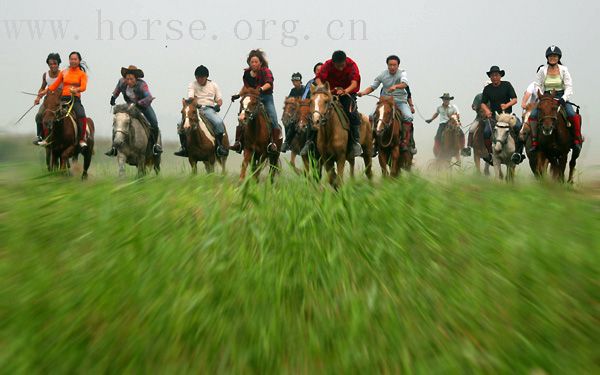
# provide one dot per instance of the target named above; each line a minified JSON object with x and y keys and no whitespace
{"x":181,"y":274}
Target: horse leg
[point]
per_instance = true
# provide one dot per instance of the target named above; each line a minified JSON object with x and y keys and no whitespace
{"x":396,"y":155}
{"x":87,"y":160}
{"x":383,"y":157}
{"x":194,"y":165}
{"x":341,"y":164}
{"x":368,"y":159}
{"x":572,"y":164}
{"x":330,"y":169}
{"x":245,"y":163}
{"x":477,"y":162}
{"x":351,"y":162}
{"x":293,"y":162}
{"x":141,"y":167}
{"x":210,"y":167}
{"x":497,"y":167}
{"x":121,"y":163}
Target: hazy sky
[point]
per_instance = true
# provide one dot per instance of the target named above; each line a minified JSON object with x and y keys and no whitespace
{"x":445,"y":46}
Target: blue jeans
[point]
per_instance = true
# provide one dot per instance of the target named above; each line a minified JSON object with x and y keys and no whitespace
{"x":215,"y":120}
{"x":267,"y":101}
{"x":405,"y":109}
{"x":568,"y":108}
{"x":150,"y":116}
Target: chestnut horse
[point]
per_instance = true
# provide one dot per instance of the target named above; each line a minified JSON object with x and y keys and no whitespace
{"x":63,"y":140}
{"x":555,"y":139}
{"x":451,"y":143}
{"x":291,"y":118}
{"x":201,"y":144}
{"x":479,"y":149}
{"x":256,"y":130}
{"x":388,"y":125}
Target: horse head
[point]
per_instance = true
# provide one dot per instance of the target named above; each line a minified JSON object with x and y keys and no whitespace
{"x":249,"y":105}
{"x":52,"y":103}
{"x":122,"y":122}
{"x":384,"y":113}
{"x":505,"y":122}
{"x":290,"y":111}
{"x":321,"y":101}
{"x":303,"y":114}
{"x":548,"y":108}
{"x":189,"y":114}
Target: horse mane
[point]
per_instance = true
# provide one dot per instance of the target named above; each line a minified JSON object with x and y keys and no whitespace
{"x":321,"y":89}
{"x":126,"y":108}
{"x":249,"y":91}
{"x":507,"y":118}
{"x":386,"y":99}
{"x":291,"y":100}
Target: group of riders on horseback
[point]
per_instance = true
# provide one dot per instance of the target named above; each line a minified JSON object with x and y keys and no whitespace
{"x":341,"y":74}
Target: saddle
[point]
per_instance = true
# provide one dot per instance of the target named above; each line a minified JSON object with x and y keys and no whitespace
{"x":339,"y":110}
{"x":204,"y":119}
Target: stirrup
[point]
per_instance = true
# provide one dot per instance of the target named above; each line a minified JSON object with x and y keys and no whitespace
{"x":222,"y":151}
{"x":157,"y":149}
{"x":272,"y":147}
{"x":182,"y":152}
{"x":83,"y":144}
{"x":466,"y":151}
{"x":111,"y":152}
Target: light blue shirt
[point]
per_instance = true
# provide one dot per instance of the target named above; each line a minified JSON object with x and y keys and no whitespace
{"x":388,"y":80}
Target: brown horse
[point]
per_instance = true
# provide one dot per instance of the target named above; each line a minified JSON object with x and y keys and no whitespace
{"x":296,"y":113}
{"x":256,"y":128}
{"x":201,"y":144}
{"x":63,"y":143}
{"x":451,"y":143}
{"x":479,"y":149}
{"x":388,"y":125}
{"x":332,"y":133}
{"x":555,"y":139}
{"x":291,"y":118}
{"x":525,"y":135}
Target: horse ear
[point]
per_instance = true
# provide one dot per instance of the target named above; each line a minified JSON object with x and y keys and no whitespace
{"x":312,"y":88}
{"x":539,"y":93}
{"x":327,"y":85}
{"x":497,"y":115}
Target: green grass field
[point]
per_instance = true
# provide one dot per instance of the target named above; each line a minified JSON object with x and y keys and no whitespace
{"x":180,"y":274}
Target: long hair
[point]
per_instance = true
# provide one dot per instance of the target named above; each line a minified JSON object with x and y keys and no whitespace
{"x":258,"y":53}
{"x":82,"y":64}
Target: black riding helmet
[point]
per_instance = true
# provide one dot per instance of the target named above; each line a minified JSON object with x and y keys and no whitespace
{"x":553,"y":50}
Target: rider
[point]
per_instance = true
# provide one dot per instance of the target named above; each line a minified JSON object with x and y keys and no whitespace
{"x":74,"y":82}
{"x":475,"y":106}
{"x":48,"y":78}
{"x":555,"y":76}
{"x":344,"y":80}
{"x":497,"y":97}
{"x":394,"y":83}
{"x":208,"y":97}
{"x":530,"y":95}
{"x":296,"y":92}
{"x":259,"y":76}
{"x":313,"y":81}
{"x":445,"y":111}
{"x":135,"y":91}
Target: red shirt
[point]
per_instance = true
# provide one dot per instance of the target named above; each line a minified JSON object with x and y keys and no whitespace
{"x":340,"y":78}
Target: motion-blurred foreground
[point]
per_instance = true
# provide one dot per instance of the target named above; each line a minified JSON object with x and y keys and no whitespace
{"x":180,"y":274}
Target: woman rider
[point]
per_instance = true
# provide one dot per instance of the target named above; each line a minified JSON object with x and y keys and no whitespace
{"x":74,"y":82}
{"x":258,"y":75}
{"x":48,"y":78}
{"x":135,"y":91}
{"x":555,"y":76}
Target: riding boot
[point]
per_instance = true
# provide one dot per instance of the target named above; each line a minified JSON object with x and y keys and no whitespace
{"x":237,"y":146}
{"x":183,"y":150}
{"x":40,"y":133}
{"x":518,"y":156}
{"x":405,"y":142}
{"x":275,"y":136}
{"x":112,"y":151}
{"x":157,"y":148}
{"x":578,"y":139}
{"x":311,"y":138}
{"x":82,"y":122}
{"x":221,"y":151}
{"x":488,"y":158}
{"x":533,"y":130}
{"x":290,"y":132}
{"x":355,"y":147}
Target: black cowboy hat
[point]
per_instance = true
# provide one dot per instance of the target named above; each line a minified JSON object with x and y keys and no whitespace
{"x":132,"y":69}
{"x":495,"y":69}
{"x":446,"y":96}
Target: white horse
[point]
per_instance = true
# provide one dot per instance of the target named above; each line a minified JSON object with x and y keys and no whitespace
{"x":504,"y":145}
{"x":131,"y":139}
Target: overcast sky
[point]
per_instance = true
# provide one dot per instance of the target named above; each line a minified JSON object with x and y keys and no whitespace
{"x":445,"y":46}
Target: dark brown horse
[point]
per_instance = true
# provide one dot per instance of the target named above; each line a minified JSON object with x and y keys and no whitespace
{"x":366,"y":142}
{"x":296,"y":112}
{"x":479,"y":149}
{"x":451,"y":143}
{"x":555,"y":139}
{"x":388,"y":125}
{"x":201,"y":144}
{"x":256,"y":129}
{"x":63,"y":143}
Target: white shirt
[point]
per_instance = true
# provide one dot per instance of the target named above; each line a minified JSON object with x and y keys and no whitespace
{"x":207,"y":95}
{"x":446,"y":112}
{"x":565,"y":76}
{"x":532,"y":89}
